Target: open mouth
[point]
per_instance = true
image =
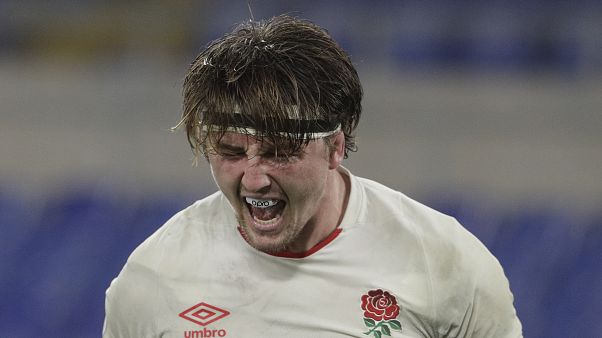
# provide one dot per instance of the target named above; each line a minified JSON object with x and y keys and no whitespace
{"x":265,"y":212}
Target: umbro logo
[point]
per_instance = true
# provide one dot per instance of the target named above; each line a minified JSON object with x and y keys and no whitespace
{"x":204,"y":314}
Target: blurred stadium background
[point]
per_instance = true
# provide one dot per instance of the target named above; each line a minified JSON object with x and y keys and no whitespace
{"x":490,"y":111}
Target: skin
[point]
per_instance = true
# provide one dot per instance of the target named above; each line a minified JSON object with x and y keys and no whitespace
{"x":314,"y":191}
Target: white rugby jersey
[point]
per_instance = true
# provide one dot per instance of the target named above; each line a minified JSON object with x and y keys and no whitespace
{"x":393,"y":267}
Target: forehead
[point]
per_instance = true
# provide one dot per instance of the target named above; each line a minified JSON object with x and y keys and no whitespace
{"x":245,"y":141}
{"x":239,"y":139}
{"x":242,"y":140}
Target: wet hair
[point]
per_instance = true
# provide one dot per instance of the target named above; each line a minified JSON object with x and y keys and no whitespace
{"x":284,"y":78}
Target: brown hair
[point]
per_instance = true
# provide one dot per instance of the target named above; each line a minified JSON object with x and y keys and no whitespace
{"x":284,"y":77}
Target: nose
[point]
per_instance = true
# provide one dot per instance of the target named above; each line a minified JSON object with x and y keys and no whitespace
{"x":255,"y":178}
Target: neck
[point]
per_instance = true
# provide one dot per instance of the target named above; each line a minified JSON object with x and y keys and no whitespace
{"x":335,"y":204}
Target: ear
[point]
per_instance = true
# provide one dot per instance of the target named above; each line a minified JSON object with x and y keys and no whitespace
{"x":337,"y":151}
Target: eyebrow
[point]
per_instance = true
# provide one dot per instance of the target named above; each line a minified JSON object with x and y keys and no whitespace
{"x":226,"y":146}
{"x":266,"y":148}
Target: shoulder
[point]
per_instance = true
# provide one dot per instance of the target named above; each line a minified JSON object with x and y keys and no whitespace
{"x":190,"y":228}
{"x":167,"y":252}
{"x":201,"y":219}
{"x":391,"y":206}
{"x":469,"y":291}
{"x":440,"y":235}
{"x":441,"y":241}
{"x":447,"y":247}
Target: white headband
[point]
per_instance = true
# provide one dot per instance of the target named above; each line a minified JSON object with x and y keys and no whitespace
{"x":240,"y":125}
{"x":253,"y":131}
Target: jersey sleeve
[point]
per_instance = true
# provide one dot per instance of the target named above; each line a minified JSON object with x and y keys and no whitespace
{"x":133,"y":301}
{"x":113,"y":326}
{"x":471,"y":293}
{"x":128,"y":306}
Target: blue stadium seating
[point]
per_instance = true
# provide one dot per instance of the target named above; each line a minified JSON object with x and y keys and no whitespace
{"x":574,"y":303}
{"x":533,"y":245}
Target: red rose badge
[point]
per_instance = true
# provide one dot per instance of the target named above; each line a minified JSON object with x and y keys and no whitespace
{"x":380,"y":310}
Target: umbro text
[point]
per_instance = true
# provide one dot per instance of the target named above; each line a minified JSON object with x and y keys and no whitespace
{"x":204,"y":333}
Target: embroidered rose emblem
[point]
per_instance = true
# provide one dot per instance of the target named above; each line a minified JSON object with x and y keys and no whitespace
{"x":380,"y":310}
{"x":379,"y":305}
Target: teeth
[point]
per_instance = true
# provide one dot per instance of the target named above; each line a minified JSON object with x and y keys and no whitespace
{"x":259,"y":203}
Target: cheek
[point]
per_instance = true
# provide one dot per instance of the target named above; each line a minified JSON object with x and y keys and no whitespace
{"x":309,"y":184}
{"x":224,"y":174}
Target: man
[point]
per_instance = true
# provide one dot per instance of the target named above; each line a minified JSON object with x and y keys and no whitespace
{"x":294,"y":245}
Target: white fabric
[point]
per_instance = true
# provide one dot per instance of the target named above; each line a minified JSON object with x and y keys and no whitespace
{"x":445,"y":281}
{"x":253,"y":131}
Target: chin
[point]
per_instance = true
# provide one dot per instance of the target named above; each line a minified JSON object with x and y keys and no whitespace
{"x":267,"y":242}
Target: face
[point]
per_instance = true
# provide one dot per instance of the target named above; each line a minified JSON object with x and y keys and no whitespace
{"x":280,"y":201}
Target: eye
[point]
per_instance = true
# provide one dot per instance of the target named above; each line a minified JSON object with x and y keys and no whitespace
{"x":281,"y":157}
{"x":231,"y":155}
